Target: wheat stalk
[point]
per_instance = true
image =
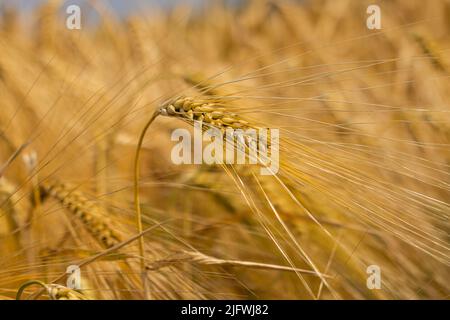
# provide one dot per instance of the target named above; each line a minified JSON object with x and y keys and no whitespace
{"x":190,"y":110}
{"x":203,"y":259}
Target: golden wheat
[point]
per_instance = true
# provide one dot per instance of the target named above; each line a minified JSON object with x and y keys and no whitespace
{"x":94,"y":218}
{"x":54,"y":291}
{"x":364,"y":152}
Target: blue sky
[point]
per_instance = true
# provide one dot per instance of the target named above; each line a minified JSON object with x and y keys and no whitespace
{"x":122,"y":7}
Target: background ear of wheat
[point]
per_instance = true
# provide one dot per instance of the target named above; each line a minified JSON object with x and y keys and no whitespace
{"x":364,"y":153}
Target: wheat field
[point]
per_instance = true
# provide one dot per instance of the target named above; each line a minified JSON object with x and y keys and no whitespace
{"x":364,"y":151}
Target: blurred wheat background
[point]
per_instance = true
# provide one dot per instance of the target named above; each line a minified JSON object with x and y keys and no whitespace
{"x":365,"y":156}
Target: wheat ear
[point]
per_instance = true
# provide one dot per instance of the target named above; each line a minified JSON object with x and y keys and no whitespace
{"x":213,"y":115}
{"x":430,"y":49}
{"x":93,"y":217}
{"x":55,"y":291}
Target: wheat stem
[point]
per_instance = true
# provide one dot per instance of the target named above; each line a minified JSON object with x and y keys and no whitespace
{"x":27,"y":284}
{"x":137,"y":199}
{"x":200,"y":258}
